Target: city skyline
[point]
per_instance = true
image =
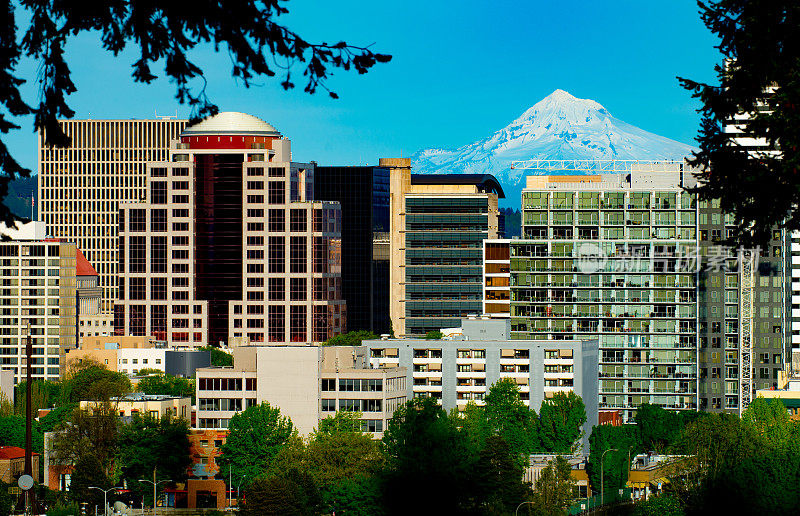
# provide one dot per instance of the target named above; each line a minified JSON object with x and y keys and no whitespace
{"x":473,"y":87}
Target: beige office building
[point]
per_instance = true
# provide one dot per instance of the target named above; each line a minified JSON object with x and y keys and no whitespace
{"x":308,"y":383}
{"x":437,"y":227}
{"x":39,"y":289}
{"x":228,"y":243}
{"x":80,"y":187}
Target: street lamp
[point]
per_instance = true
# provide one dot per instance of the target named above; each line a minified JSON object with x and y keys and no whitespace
{"x":105,"y":497}
{"x":516,"y":512}
{"x":602,"y":498}
{"x":155,"y":485}
{"x":237,"y":489}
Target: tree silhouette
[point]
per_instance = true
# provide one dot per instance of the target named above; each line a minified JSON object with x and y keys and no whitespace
{"x":759,"y":184}
{"x":248,"y":30}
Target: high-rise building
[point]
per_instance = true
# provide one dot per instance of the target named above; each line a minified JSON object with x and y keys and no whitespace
{"x":38,"y":297}
{"x":636,"y":260}
{"x":363,"y":193}
{"x":605,"y":257}
{"x":438,"y":224}
{"x":229,"y":243}
{"x":80,"y":187}
{"x":725,"y":320}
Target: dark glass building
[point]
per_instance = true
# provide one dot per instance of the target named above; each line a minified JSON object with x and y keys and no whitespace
{"x":363,"y":193}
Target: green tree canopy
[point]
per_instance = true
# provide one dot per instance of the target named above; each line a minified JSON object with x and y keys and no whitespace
{"x":554,"y":492}
{"x":219,"y":358}
{"x":759,"y":48}
{"x":625,"y":440}
{"x":560,"y":422}
{"x":147,"y":445}
{"x":498,"y":487}
{"x":508,"y":417}
{"x":88,"y":433}
{"x":90,"y":380}
{"x":352,"y":338}
{"x":12,"y":433}
{"x":434,"y":335}
{"x":167,"y":384}
{"x":255,"y":437}
{"x":770,"y":420}
{"x":426,"y":455}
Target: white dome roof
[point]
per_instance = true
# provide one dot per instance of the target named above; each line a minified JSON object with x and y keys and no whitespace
{"x":231,"y":122}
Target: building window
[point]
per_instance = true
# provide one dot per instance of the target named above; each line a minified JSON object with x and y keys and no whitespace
{"x":328,"y":405}
{"x":158,"y":254}
{"x":277,"y":192}
{"x":158,"y":288}
{"x":138,"y":222}
{"x":158,"y":323}
{"x":137,"y":289}
{"x":297,"y":221}
{"x":277,"y":255}
{"x":277,"y":323}
{"x":328,"y":384}
{"x":298,"y":323}
{"x":137,"y":254}
{"x":137,"y":320}
{"x":158,"y":220}
{"x":297,"y":288}
{"x":277,"y":289}
{"x":277,"y":220}
{"x":277,"y":172}
{"x":297,"y":254}
{"x":158,"y":192}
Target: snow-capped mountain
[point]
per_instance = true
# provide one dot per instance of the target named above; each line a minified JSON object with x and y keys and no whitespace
{"x":559,"y":126}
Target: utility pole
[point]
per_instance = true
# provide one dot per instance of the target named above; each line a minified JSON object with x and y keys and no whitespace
{"x":27,"y":500}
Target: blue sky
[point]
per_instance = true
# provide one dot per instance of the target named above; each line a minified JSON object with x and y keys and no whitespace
{"x":460,"y":71}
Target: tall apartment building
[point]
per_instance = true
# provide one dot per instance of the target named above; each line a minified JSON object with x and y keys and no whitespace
{"x":605,"y":256}
{"x":363,"y":193}
{"x":81,"y":187}
{"x":438,"y":224}
{"x":229,"y":243}
{"x":308,"y":383}
{"x":38,"y":293}
{"x":721,"y":309}
{"x":91,"y":320}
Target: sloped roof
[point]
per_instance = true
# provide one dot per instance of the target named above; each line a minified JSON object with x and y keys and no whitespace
{"x":12,"y":452}
{"x":84,"y":267}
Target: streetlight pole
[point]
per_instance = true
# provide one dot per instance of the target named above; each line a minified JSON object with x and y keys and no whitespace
{"x":602,"y":490}
{"x":238,"y":493}
{"x":155,"y":485}
{"x":105,"y":497}
{"x":516,"y":511}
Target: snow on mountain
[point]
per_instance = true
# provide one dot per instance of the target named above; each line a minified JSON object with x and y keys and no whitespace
{"x":559,"y":126}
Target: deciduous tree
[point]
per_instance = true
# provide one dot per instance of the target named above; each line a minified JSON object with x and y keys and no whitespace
{"x":554,"y":492}
{"x":255,"y":437}
{"x":509,"y":418}
{"x":560,"y":422}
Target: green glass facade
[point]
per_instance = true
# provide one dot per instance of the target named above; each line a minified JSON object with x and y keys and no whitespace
{"x":443,"y":260}
{"x":615,"y":263}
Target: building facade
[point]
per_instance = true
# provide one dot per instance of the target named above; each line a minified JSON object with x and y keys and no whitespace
{"x":39,"y":294}
{"x":438,"y":224}
{"x":229,"y":243}
{"x":605,"y":256}
{"x":81,"y":186}
{"x":722,"y":330}
{"x":363,"y":194}
{"x":462,"y":368}
{"x":308,"y":383}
